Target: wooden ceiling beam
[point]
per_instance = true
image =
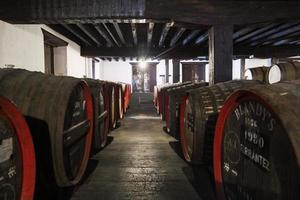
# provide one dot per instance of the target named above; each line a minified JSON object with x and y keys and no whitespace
{"x":87,"y":32}
{"x":279,"y":36}
{"x":102,"y":32}
{"x":263,"y":35}
{"x":205,"y":12}
{"x":134,"y":34}
{"x":190,"y":37}
{"x":164,"y":34}
{"x":119,"y":32}
{"x":150,"y":34}
{"x":75,"y":33}
{"x":201,"y":39}
{"x":111,"y":35}
{"x":264,"y":51}
{"x":177,"y":35}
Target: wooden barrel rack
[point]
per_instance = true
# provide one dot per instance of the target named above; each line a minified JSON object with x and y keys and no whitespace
{"x":256,"y":145}
{"x":60,"y":121}
{"x":17,"y":156}
{"x":199,"y":118}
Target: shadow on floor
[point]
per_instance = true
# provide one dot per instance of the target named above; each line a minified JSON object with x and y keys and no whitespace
{"x":175,"y":145}
{"x":201,"y":179}
{"x":67,"y":192}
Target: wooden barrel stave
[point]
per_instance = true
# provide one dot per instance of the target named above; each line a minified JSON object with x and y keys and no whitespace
{"x":274,"y":115}
{"x":175,"y":96}
{"x":203,"y":106}
{"x":17,"y":154}
{"x":100,"y":134}
{"x":163,"y":93}
{"x":258,"y":73}
{"x":45,"y":117}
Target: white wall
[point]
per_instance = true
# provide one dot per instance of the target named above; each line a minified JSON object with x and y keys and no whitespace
{"x":255,"y":62}
{"x":23,"y":47}
{"x":116,"y":71}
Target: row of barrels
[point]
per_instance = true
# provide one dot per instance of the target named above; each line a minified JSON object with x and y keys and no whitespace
{"x":283,"y":71}
{"x":246,"y":131}
{"x":49,"y":127}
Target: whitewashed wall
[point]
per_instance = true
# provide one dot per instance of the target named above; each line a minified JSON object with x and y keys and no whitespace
{"x":23,"y":47}
{"x":116,"y":71}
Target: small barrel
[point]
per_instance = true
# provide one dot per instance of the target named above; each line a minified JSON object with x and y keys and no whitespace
{"x":59,"y":112}
{"x":175,"y":96}
{"x":17,"y":156}
{"x":284,"y":72}
{"x":201,"y":112}
{"x":256,"y":145}
{"x":163,"y":99}
{"x":258,"y":73}
{"x":100,"y":114}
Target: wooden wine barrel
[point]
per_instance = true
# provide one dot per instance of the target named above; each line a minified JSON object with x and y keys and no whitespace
{"x":284,"y":72}
{"x":199,"y":119}
{"x":112,"y":105}
{"x":175,"y":96}
{"x":119,"y":101}
{"x":17,"y":157}
{"x":163,"y":100}
{"x":59,"y":113}
{"x":100,"y":114}
{"x":159,"y":98}
{"x":127,"y":94}
{"x":256,"y":146}
{"x":258,"y":73}
{"x":106,"y":95}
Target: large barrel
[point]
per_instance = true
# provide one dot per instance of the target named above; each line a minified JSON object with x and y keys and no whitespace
{"x":163,"y":99}
{"x":256,"y":146}
{"x":112,"y":104}
{"x":106,"y":95}
{"x":17,"y":157}
{"x":119,"y":101}
{"x":100,"y":114}
{"x":201,"y":112}
{"x":284,"y":72}
{"x":59,"y":112}
{"x":158,"y":97}
{"x":258,"y":73}
{"x":173,"y":99}
{"x":126,"y":93}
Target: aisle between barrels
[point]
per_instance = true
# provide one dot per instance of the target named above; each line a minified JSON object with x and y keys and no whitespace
{"x":143,"y":162}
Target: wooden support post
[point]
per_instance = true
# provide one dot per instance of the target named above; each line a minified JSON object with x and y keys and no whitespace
{"x":167,"y":70}
{"x":220,"y":53}
{"x":176,"y":70}
{"x":243,"y":63}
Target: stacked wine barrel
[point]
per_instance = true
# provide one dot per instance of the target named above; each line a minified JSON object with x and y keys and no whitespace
{"x":256,"y":145}
{"x":17,"y":156}
{"x":284,"y":71}
{"x":126,"y":88}
{"x":100,"y":114}
{"x":174,"y":97}
{"x":198,"y":115}
{"x":59,"y":112}
{"x":162,"y":96}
